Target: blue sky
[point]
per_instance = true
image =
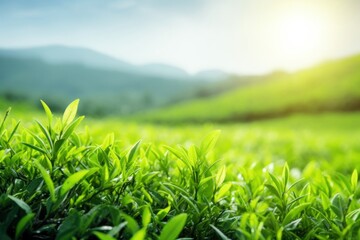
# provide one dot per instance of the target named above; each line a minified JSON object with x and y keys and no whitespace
{"x":240,"y":36}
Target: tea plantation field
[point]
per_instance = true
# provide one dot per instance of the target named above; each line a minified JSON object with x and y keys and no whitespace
{"x":66,"y":177}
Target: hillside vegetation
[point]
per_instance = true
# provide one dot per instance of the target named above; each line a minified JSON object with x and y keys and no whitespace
{"x":331,"y":86}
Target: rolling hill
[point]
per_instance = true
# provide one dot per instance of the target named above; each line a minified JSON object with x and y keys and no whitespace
{"x":106,"y":85}
{"x":59,"y":54}
{"x":330,"y":86}
{"x":101,"y":90}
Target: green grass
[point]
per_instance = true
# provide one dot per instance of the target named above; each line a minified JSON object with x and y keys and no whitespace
{"x":330,"y":86}
{"x":65,"y":178}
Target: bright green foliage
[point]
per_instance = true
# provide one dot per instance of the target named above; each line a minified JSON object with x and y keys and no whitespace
{"x":57,"y":182}
{"x":331,"y":86}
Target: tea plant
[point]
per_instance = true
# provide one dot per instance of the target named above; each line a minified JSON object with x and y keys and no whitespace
{"x":57,"y":183}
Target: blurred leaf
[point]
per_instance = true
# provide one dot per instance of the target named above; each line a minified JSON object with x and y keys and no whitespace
{"x":70,"y":112}
{"x":220,"y":176}
{"x":139,"y":235}
{"x":163,"y":212}
{"x":173,"y":228}
{"x":180,"y":155}
{"x":47,"y":111}
{"x":222,"y":191}
{"x":209,"y":141}
{"x":22,"y":224}
{"x":285,"y":175}
{"x":354,"y":180}
{"x":220,"y":233}
{"x":146,"y":217}
{"x":117,"y":228}
{"x":133,"y":150}
{"x":103,"y":236}
{"x":45,"y":132}
{"x":71,"y":127}
{"x":192,"y":155}
{"x":23,"y":205}
{"x":131,"y":223}
{"x":49,"y":183}
{"x":35,"y":148}
{"x":338,"y":205}
{"x":294,"y":212}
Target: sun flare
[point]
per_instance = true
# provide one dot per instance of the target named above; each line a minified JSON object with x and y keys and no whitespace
{"x":301,"y":35}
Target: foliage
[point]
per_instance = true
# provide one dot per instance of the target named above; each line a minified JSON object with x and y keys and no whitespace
{"x":331,"y":86}
{"x":57,"y":183}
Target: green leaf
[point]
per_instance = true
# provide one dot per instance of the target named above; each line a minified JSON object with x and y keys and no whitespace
{"x":45,"y":132}
{"x":220,"y":233}
{"x":71,"y":127}
{"x":35,"y":147}
{"x":338,"y":206}
{"x":21,"y":204}
{"x":75,"y":178}
{"x":139,"y":235}
{"x":146,"y":217}
{"x":273,"y":190}
{"x":174,"y":227}
{"x":13,"y":131}
{"x":285,"y":174}
{"x":47,"y":111}
{"x":277,"y":183}
{"x":192,"y":155}
{"x":354,"y":215}
{"x":4,"y":119}
{"x":354,"y":180}
{"x":22,"y":224}
{"x":180,"y":155}
{"x":70,"y":112}
{"x":103,"y":236}
{"x":131,"y":223}
{"x":220,"y":176}
{"x":133,"y":150}
{"x":293,"y":213}
{"x":115,"y":230}
{"x":191,"y":203}
{"x":209,"y":142}
{"x":49,"y":183}
{"x":223,"y":191}
{"x":163,"y":212}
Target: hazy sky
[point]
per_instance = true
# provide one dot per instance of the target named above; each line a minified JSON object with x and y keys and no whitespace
{"x":252,"y":36}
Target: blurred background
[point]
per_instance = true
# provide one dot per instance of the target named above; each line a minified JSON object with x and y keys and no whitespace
{"x":182,"y":61}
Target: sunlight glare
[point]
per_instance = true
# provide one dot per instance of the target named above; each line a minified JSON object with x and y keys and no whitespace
{"x":300,"y":36}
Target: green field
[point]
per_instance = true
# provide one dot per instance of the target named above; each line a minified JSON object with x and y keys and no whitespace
{"x":331,"y":86}
{"x":69,"y":178}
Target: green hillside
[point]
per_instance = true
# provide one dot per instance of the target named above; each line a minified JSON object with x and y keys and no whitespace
{"x":331,"y":86}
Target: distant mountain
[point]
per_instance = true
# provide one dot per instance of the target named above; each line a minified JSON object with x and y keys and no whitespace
{"x":57,"y":54}
{"x":102,"y":91}
{"x":212,"y":75}
{"x":164,"y":70}
{"x":105,"y":84}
